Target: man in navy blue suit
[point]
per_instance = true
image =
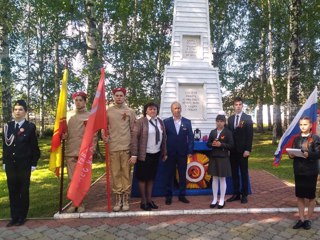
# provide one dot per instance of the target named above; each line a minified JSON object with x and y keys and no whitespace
{"x":241,"y":126}
{"x":179,"y":148}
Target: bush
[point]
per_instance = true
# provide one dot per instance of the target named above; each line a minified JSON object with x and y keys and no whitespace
{"x":48,"y":132}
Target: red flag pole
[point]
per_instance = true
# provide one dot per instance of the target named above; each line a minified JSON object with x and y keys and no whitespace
{"x":61,"y":177}
{"x":108,"y":178}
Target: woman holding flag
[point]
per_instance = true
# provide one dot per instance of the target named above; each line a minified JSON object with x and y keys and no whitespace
{"x":305,"y":171}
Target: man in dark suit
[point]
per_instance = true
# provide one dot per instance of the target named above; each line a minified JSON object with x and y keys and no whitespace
{"x":241,"y":126}
{"x":20,"y":157}
{"x":179,"y":147}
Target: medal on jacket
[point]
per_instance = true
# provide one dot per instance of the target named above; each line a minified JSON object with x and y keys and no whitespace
{"x":8,"y":140}
{"x":124,"y":116}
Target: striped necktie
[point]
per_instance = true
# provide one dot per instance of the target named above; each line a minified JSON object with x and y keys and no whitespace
{"x":157,"y":130}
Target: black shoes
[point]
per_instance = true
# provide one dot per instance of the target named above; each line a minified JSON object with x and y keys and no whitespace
{"x":306,"y":225}
{"x":183,"y":199}
{"x":168,"y":200}
{"x":244,"y":199}
{"x":235,"y":197}
{"x":19,"y":222}
{"x":213,"y":205}
{"x":152,"y":205}
{"x":221,"y":206}
{"x":145,"y":207}
{"x":12,"y":223}
{"x":298,"y":225}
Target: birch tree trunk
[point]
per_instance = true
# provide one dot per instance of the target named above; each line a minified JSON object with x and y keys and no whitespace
{"x":93,"y":39}
{"x":56,"y":71}
{"x":40,"y":76}
{"x":5,"y":70}
{"x":271,"y":77}
{"x":269,"y":118}
{"x":262,"y":77}
{"x":28,"y":57}
{"x":294,"y":63}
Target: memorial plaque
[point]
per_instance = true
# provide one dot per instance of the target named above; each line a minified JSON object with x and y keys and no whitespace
{"x":192,"y":99}
{"x":191,"y":47}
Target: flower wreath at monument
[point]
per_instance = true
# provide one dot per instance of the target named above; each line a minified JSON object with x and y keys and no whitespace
{"x":197,"y":176}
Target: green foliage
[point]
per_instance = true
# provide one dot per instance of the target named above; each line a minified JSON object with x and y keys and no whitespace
{"x":48,"y":132}
{"x":133,"y":41}
{"x":139,"y":47}
{"x":262,"y":157}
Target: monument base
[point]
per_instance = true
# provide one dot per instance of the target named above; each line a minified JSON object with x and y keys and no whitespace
{"x":159,"y":188}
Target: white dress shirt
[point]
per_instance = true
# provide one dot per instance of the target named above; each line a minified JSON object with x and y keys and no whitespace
{"x":152,"y":147}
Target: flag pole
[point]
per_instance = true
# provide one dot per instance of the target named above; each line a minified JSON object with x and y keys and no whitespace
{"x":61,"y":177}
{"x":62,"y":161}
{"x":108,"y":177}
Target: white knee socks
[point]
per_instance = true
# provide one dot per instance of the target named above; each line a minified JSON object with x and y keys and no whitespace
{"x":215,"y":189}
{"x":223,"y":189}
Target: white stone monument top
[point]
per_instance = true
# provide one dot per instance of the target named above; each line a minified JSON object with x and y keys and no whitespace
{"x":191,"y":34}
{"x":190,"y":78}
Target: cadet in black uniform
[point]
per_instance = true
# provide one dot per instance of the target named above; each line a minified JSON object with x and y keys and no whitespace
{"x":20,"y":157}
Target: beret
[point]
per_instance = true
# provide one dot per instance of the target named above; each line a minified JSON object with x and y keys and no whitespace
{"x":119,"y":89}
{"x":76,"y":94}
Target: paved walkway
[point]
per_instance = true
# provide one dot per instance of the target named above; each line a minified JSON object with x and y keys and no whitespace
{"x":236,"y":221}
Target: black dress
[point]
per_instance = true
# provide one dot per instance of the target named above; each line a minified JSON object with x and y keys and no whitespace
{"x":219,"y":158}
{"x":306,"y":169}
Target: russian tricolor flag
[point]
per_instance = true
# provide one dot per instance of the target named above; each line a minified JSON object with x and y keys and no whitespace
{"x":308,"y":109}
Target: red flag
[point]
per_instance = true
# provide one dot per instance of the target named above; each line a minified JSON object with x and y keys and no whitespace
{"x":81,"y":179}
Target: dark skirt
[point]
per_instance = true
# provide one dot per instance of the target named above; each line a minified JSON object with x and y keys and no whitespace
{"x":147,"y":170}
{"x":305,"y":186}
{"x":219,"y":167}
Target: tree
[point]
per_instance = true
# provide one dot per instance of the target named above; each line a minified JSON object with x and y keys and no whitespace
{"x":8,"y":17}
{"x":294,"y":62}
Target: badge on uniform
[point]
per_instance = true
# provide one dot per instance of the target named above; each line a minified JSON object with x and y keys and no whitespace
{"x":124,"y":116}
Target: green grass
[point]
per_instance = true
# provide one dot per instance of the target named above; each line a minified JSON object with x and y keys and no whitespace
{"x":262,"y":157}
{"x":44,"y":189}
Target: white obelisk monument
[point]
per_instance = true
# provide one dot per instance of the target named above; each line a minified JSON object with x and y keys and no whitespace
{"x":190,"y":77}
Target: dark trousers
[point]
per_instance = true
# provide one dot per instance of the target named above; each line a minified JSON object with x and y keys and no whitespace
{"x":239,"y":162}
{"x":172,"y":163}
{"x":18,"y":181}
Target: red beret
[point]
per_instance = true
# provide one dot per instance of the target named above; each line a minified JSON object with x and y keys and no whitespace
{"x":119,"y":89}
{"x":76,"y":94}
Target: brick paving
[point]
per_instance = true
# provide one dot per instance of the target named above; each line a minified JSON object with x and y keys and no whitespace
{"x":268,"y":192}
